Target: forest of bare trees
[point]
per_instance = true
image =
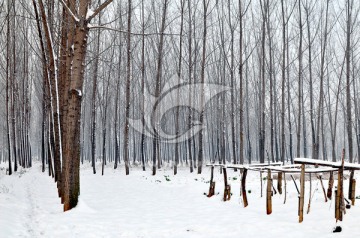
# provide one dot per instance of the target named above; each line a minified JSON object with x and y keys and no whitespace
{"x":76,"y":74}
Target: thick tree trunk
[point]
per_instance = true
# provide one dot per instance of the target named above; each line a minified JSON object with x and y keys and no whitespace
{"x":71,"y":148}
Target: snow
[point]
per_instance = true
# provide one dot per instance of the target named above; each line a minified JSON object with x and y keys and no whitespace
{"x":314,"y":161}
{"x":347,"y":165}
{"x":79,"y":92}
{"x":89,"y":13}
{"x":141,"y":205}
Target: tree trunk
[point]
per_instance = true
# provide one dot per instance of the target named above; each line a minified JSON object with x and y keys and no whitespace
{"x":8,"y":139}
{"x":156,"y":142}
{"x":349,"y":6}
{"x":300,"y":79}
{"x":202,"y":80}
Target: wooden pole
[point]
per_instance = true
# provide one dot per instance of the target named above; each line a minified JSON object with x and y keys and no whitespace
{"x":331,"y":184}
{"x":212,"y":183}
{"x":309,"y":204}
{"x":339,"y":203}
{"x":302,"y":192}
{"x":268,"y":194}
{"x":261,"y":185}
{"x":227,"y":189}
{"x":285,"y":188}
{"x":243,"y":188}
{"x":353,"y":192}
{"x":279,"y":182}
{"x":351,"y":180}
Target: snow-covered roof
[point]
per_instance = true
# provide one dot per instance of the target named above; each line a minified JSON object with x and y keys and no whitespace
{"x":347,"y":166}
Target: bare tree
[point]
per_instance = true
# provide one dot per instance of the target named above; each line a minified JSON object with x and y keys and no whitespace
{"x":156,"y":155}
{"x":8,"y":85}
{"x":316,"y":146}
{"x":300,"y":83}
{"x":202,"y":81}
{"x":127,"y":93}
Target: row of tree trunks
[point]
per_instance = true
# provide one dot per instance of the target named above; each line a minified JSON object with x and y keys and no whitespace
{"x":16,"y":88}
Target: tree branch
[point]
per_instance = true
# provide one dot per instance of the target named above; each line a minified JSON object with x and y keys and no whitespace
{"x":69,"y":11}
{"x":132,"y":33}
{"x":99,"y":9}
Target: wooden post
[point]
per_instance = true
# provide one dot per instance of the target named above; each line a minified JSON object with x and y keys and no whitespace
{"x":339,"y":198}
{"x":243,"y":188}
{"x":285,"y":188}
{"x":268,"y":194}
{"x":351,"y":180}
{"x":310,"y":188}
{"x":353,"y":192}
{"x":339,"y":203}
{"x":261,"y":185}
{"x":331,"y":184}
{"x":212,"y":183}
{"x":279,"y":182}
{"x":227,"y":188}
{"x":302,"y":192}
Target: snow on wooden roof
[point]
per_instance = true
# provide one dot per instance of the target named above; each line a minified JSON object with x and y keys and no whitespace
{"x":347,"y":166}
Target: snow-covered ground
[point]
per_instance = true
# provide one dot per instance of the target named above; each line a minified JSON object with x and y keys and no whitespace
{"x":141,"y":205}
